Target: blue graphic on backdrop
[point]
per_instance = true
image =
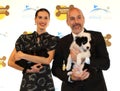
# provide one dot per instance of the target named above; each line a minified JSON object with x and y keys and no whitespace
{"x":27,"y":7}
{"x":100,"y":13}
{"x":96,"y":8}
{"x":28,"y":12}
{"x":3,"y":34}
{"x":60,"y":34}
{"x":27,"y":18}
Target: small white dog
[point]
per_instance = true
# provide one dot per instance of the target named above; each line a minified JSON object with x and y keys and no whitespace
{"x":82,"y":43}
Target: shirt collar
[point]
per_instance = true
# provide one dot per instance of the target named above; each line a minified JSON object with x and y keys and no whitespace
{"x":74,"y":35}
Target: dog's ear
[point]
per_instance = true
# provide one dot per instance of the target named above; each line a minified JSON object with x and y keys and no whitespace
{"x":81,"y":40}
{"x":84,"y":40}
{"x":78,"y":40}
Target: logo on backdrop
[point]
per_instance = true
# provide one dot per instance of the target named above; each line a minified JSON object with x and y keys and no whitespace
{"x":100,"y":13}
{"x":107,"y":38}
{"x":29,"y":12}
{"x":2,"y":62}
{"x":4,"y":11}
{"x":27,"y":7}
{"x":61,"y":11}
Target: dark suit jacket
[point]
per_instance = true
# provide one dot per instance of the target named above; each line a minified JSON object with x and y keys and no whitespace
{"x":99,"y":61}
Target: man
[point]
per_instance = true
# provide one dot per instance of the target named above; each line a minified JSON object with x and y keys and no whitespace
{"x":91,"y":78}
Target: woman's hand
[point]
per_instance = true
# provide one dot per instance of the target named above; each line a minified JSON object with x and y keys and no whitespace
{"x":35,"y":68}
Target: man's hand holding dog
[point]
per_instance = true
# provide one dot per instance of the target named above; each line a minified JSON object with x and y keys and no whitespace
{"x":79,"y":76}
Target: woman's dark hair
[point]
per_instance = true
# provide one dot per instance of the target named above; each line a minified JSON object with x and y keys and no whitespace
{"x":42,"y":9}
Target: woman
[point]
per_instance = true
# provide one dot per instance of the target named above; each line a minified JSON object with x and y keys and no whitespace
{"x":29,"y":47}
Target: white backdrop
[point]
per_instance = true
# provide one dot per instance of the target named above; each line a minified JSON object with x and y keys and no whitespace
{"x":100,"y":15}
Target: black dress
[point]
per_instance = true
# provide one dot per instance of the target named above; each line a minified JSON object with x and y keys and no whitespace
{"x":41,"y":81}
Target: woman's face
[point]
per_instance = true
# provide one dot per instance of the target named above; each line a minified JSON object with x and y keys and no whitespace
{"x":42,"y":20}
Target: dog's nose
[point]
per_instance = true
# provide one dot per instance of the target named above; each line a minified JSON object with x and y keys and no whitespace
{"x":87,"y":47}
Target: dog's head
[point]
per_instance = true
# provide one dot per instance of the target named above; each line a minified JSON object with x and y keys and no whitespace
{"x":84,"y":41}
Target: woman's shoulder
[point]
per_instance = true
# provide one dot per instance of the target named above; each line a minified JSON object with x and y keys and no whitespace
{"x":53,"y":37}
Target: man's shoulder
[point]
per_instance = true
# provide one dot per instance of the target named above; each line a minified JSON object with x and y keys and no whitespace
{"x":66,"y":37}
{"x":93,"y":31}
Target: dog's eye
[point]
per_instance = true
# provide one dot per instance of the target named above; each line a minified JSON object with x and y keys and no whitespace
{"x":84,"y":40}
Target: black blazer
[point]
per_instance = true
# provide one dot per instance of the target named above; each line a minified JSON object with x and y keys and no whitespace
{"x":99,"y":61}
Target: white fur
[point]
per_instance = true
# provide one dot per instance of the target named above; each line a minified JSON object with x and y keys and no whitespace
{"x":84,"y":53}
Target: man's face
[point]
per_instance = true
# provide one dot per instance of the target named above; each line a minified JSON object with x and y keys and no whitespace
{"x":75,"y":20}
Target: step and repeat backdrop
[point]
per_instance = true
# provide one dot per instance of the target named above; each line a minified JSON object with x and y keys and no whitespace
{"x":17,"y":17}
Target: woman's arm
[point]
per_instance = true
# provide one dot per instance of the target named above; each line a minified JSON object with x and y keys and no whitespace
{"x":11,"y":61}
{"x":35,"y":59}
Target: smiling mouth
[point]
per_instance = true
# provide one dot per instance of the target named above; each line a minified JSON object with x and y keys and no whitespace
{"x":76,"y":27}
